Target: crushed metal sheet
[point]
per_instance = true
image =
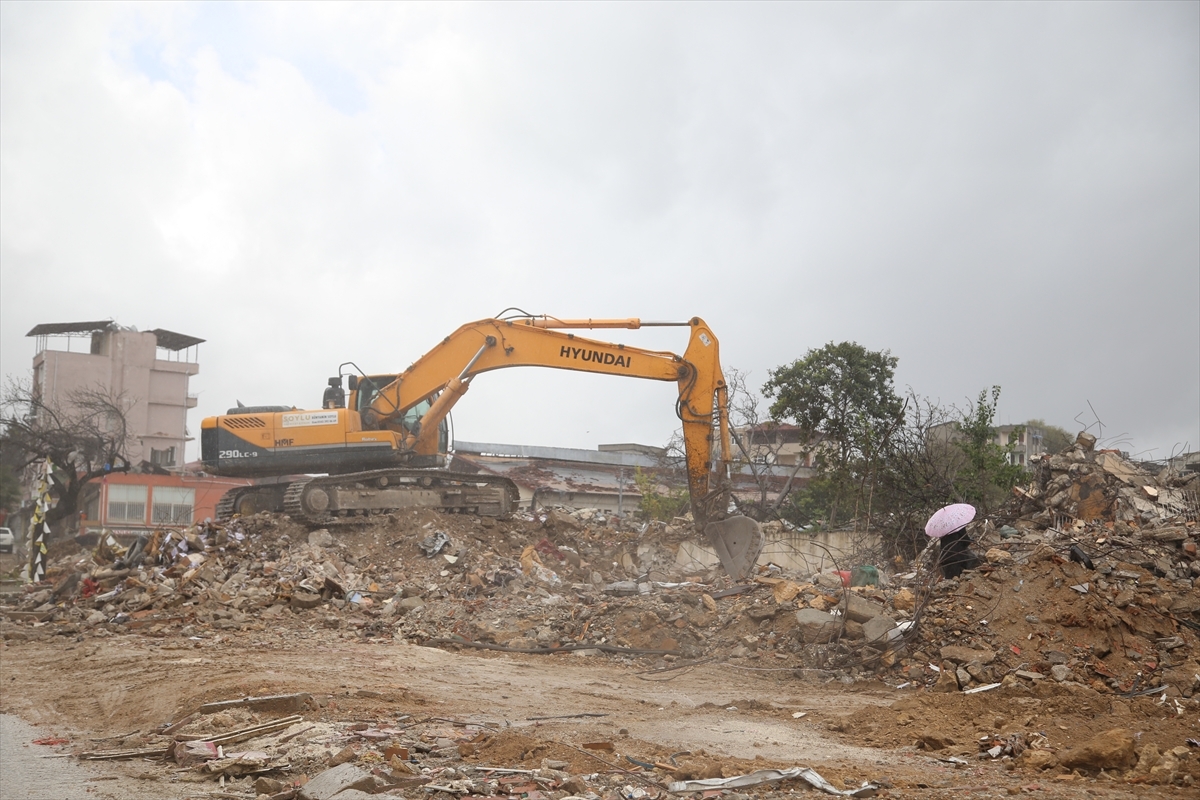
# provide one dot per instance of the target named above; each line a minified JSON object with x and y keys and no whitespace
{"x":809,"y":776}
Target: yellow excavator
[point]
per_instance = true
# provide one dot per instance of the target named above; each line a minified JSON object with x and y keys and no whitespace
{"x":384,"y":447}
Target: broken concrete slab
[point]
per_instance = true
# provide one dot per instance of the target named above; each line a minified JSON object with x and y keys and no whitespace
{"x":860,"y":609}
{"x":306,"y":600}
{"x":879,"y":629}
{"x":965,"y":655}
{"x":338,"y":779}
{"x":816,"y":626}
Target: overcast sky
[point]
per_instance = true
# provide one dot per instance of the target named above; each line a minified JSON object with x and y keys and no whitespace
{"x":996,"y":193}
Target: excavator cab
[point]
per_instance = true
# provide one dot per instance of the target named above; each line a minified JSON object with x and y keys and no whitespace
{"x":365,"y":391}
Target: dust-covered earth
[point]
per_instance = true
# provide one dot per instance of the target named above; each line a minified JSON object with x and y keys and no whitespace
{"x":565,"y":655}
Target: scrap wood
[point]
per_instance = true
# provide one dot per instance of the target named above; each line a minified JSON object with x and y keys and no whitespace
{"x":254,"y":731}
{"x":291,"y":736}
{"x":114,"y":755}
{"x":460,"y":723}
{"x":506,"y":770}
{"x":674,"y":667}
{"x":565,"y":716}
{"x":181,"y":723}
{"x":731,"y":591}
{"x":651,"y":764}
{"x":610,"y":765}
{"x":604,"y":648}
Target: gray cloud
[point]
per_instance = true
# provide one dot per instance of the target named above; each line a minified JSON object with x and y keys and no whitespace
{"x":998,"y":193}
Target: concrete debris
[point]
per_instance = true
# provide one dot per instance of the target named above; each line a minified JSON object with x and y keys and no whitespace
{"x":576,"y":579}
{"x":338,"y":779}
{"x":762,"y":776}
{"x":1088,"y":590}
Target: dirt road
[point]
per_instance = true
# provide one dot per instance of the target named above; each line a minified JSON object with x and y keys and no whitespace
{"x":121,"y":687}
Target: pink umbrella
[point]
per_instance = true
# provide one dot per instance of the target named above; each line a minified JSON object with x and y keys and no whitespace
{"x":949,"y":519}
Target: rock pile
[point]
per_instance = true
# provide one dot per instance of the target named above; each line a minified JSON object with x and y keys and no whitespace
{"x":1088,"y":581}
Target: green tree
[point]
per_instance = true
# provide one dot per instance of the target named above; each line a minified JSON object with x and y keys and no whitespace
{"x":988,"y":474}
{"x":842,"y":399}
{"x":656,"y":503}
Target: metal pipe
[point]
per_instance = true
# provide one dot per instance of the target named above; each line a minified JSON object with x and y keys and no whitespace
{"x":489,"y":342}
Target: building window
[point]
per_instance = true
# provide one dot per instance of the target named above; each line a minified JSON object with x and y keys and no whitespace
{"x":173,"y":505}
{"x":163,"y":458}
{"x":126,"y":503}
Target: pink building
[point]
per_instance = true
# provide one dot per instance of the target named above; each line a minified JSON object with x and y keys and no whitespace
{"x":127,"y":503}
{"x":150,"y":369}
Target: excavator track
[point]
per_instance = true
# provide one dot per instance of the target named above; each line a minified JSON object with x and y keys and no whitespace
{"x":356,"y":497}
{"x":249,"y":500}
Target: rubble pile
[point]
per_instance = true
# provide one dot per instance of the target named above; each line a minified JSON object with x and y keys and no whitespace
{"x":1101,"y":593}
{"x":1094,"y":581}
{"x":1085,"y":602}
{"x":294,"y":758}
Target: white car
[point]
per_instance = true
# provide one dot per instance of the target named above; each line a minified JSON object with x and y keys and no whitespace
{"x":7,"y":540}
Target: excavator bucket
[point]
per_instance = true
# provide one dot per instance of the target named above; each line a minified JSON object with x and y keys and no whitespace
{"x":738,"y":542}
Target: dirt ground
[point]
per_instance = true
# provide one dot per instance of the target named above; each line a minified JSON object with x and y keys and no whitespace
{"x":107,"y":658}
{"x":112,"y":691}
{"x":127,"y":685}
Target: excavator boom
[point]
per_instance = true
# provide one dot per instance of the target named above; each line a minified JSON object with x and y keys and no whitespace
{"x":490,"y":344}
{"x":400,"y":419}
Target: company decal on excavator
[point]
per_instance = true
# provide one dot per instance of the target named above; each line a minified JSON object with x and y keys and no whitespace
{"x":595,"y":356}
{"x":308,"y":418}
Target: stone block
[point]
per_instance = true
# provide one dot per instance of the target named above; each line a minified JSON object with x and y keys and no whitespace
{"x":1112,"y":749}
{"x":816,"y":626}
{"x":904,"y":600}
{"x":997,"y":556}
{"x":965,"y":655}
{"x":947,"y":681}
{"x":879,"y":629}
{"x":306,"y":600}
{"x":338,"y":779}
{"x":860,"y":609}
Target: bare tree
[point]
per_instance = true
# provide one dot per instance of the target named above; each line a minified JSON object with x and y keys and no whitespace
{"x":759,"y":443}
{"x":85,"y":437}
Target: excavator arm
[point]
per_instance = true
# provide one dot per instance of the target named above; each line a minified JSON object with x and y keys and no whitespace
{"x":542,"y":341}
